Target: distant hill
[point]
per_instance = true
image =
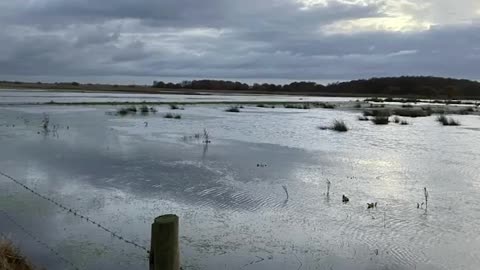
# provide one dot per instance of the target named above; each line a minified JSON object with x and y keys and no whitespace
{"x":421,"y":86}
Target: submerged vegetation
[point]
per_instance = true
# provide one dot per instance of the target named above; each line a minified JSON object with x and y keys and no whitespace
{"x":337,"y":125}
{"x":235,"y":109}
{"x":265,"y":106}
{"x":363,"y":118}
{"x":380,"y":120}
{"x":304,"y":106}
{"x":173,"y":116}
{"x":447,"y":121}
{"x":143,"y":109}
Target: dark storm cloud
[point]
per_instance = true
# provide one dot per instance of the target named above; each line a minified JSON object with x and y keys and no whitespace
{"x":274,"y":39}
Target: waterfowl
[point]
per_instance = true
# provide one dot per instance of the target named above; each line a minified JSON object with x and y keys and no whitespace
{"x":345,"y":199}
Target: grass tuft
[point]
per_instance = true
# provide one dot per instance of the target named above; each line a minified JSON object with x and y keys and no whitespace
{"x":11,"y":259}
{"x":380,"y":120}
{"x":173,"y":116}
{"x":447,"y":121}
{"x":337,"y":125}
{"x":235,"y":109}
{"x":363,"y":118}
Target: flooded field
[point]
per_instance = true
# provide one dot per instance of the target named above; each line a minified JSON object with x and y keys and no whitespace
{"x":230,"y":194}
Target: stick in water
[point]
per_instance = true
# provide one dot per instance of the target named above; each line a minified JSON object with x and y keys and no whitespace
{"x":426,"y":197}
{"x":285,"y":189}
{"x":328,"y":187}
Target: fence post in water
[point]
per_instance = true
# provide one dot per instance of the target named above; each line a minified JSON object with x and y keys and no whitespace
{"x":164,"y":250}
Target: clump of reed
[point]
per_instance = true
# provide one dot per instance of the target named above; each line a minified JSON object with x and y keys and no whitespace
{"x":235,"y":109}
{"x":11,"y":259}
{"x":447,"y":121}
{"x":144,"y":110}
{"x":380,"y":120}
{"x":173,"y":116}
{"x":412,"y":112}
{"x":304,"y":106}
{"x":337,"y":125}
{"x":363,"y":118}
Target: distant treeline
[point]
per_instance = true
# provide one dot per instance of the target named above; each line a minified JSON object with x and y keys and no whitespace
{"x":396,"y":86}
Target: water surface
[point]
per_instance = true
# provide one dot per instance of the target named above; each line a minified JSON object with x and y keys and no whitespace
{"x":233,"y":214}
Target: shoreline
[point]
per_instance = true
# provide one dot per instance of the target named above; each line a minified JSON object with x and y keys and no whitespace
{"x":144,"y":89}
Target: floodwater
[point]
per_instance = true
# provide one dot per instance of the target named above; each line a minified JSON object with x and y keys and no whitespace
{"x":122,"y":172}
{"x":40,"y":96}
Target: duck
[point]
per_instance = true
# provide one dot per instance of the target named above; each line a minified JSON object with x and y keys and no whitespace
{"x":345,"y":199}
{"x":371,"y":205}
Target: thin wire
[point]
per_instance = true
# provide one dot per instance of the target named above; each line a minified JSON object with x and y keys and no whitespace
{"x":40,"y":242}
{"x":76,"y":214}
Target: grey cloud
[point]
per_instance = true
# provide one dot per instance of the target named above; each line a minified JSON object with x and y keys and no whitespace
{"x":249,"y":39}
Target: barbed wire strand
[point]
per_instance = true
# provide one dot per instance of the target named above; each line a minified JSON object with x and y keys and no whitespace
{"x":40,"y":242}
{"x":77,"y":214}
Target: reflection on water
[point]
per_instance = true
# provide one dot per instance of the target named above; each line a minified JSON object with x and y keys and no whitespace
{"x":234,"y":213}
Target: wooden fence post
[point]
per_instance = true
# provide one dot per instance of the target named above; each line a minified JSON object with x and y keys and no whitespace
{"x":164,"y":251}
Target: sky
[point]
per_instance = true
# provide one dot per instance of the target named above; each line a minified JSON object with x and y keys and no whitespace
{"x":138,"y":41}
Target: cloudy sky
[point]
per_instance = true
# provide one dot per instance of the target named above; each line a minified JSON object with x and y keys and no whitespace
{"x":248,"y":40}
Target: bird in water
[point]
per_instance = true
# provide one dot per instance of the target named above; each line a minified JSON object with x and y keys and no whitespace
{"x":371,"y":205}
{"x":146,"y":124}
{"x":345,"y":199}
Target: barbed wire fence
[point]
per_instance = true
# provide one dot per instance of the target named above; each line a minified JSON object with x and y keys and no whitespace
{"x":39,"y":241}
{"x":72,"y":212}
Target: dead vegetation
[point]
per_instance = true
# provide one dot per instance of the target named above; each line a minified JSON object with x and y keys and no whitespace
{"x":11,"y":259}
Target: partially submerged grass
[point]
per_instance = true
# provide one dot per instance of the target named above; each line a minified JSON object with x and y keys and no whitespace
{"x":447,"y":121}
{"x":175,"y":107}
{"x":327,"y":105}
{"x":235,"y":109}
{"x":404,"y":123}
{"x":380,"y":120}
{"x":265,"y":106}
{"x":378,"y":112}
{"x":11,"y":259}
{"x":143,"y":109}
{"x":337,"y":125}
{"x":304,"y":106}
{"x":363,"y":118}
{"x":173,"y":116}
{"x":412,"y":112}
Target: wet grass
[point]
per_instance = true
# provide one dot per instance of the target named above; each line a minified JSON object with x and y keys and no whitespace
{"x":144,"y":109}
{"x":173,"y":116}
{"x":175,"y":107}
{"x":304,"y":106}
{"x":340,"y":126}
{"x":11,"y":259}
{"x":363,"y":118}
{"x":447,"y":121}
{"x":337,"y":125}
{"x":132,"y":109}
{"x":380,"y":120}
{"x":234,"y":109}
{"x":377,"y":112}
{"x":412,"y":112}
{"x":265,"y":106}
